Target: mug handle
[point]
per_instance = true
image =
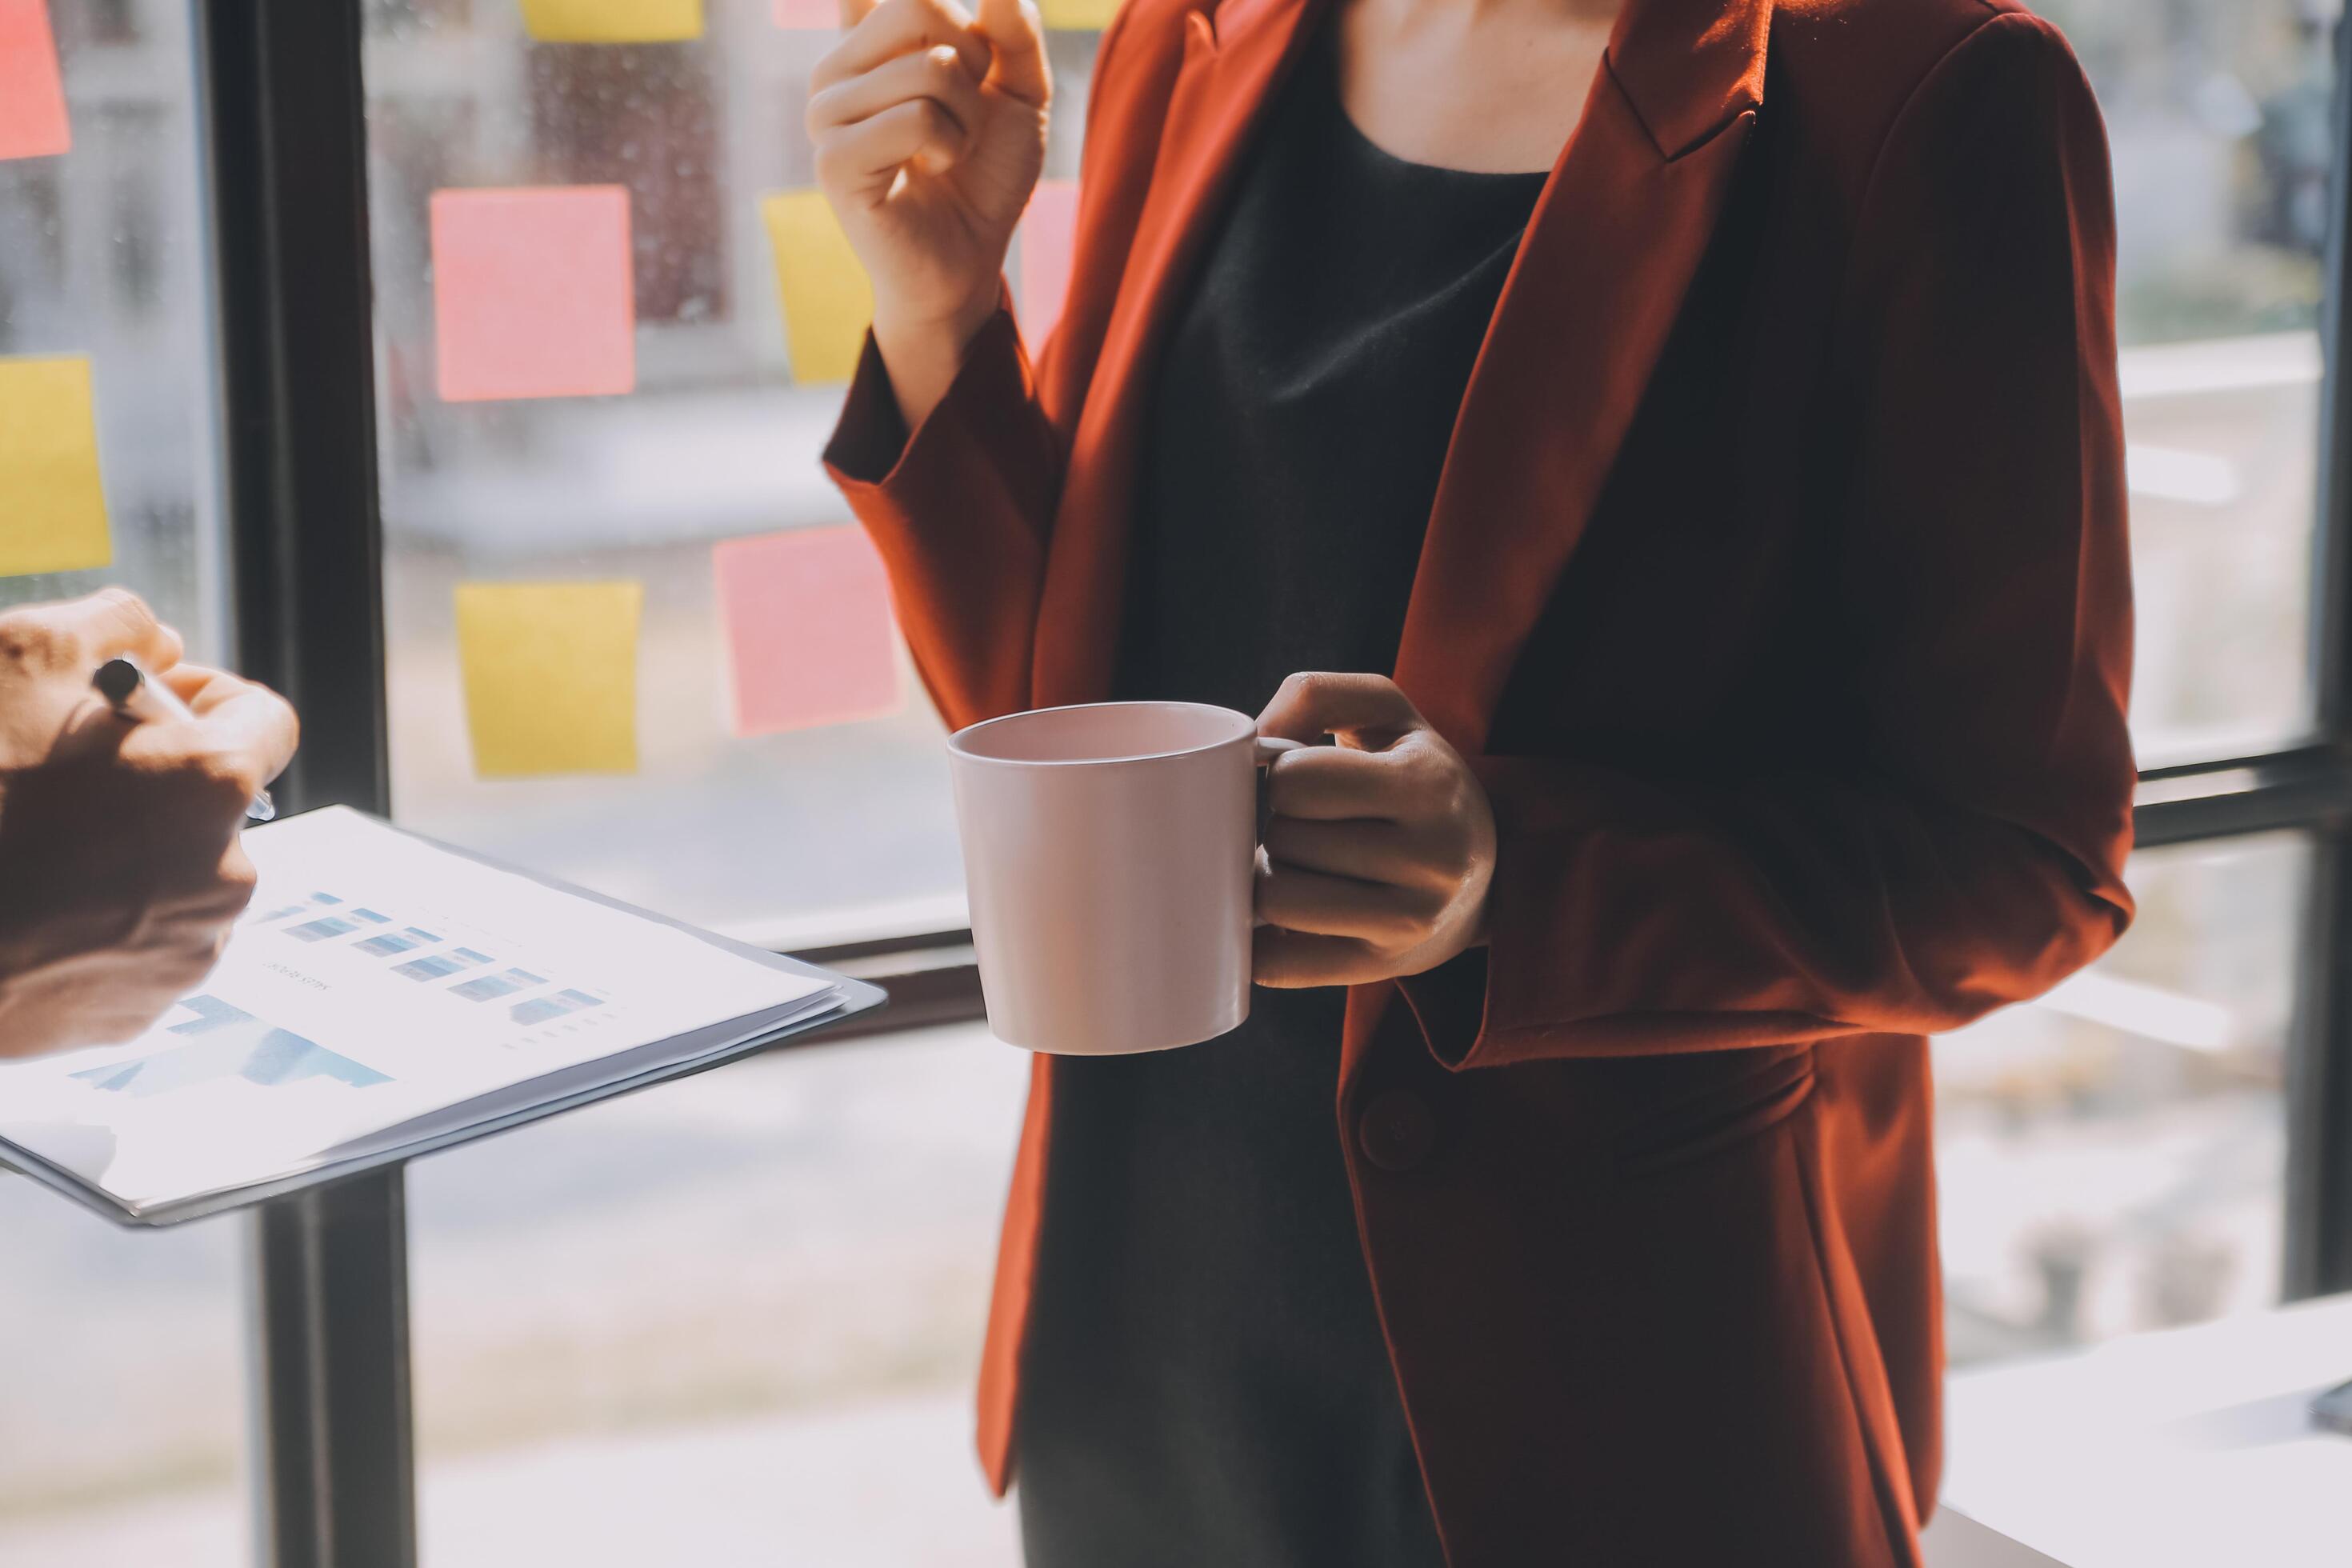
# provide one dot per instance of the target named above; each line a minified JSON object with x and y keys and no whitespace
{"x":1270,"y":748}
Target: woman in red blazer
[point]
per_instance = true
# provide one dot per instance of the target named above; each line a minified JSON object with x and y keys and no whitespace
{"x":1756,"y":708}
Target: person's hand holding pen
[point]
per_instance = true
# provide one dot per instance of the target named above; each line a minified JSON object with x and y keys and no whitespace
{"x":120,"y":874}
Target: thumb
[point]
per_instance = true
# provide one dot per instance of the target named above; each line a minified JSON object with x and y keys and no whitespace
{"x":1368,"y":710}
{"x":853,"y":12}
{"x":1017,"y":39}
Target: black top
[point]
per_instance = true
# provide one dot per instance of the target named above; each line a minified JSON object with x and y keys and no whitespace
{"x":1205,"y":1380}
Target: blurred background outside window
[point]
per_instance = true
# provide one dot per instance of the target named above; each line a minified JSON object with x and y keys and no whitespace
{"x":121,"y":1354}
{"x":767,"y":1284}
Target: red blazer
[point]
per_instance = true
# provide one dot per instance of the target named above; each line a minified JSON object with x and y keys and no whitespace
{"x":1777,"y":585}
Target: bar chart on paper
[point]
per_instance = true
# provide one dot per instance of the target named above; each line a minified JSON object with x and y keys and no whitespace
{"x":384,"y":993}
{"x":226,"y":1042}
{"x":430,"y":954}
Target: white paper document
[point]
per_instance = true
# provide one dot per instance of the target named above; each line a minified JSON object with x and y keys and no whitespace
{"x":380,"y":989}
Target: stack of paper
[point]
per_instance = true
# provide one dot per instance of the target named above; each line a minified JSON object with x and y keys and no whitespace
{"x":383,"y":996}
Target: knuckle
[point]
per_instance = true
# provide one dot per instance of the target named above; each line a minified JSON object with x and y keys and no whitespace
{"x":127,"y":606}
{"x":1402,"y":928}
{"x":831,"y":66}
{"x":34,"y":642}
{"x":1430,"y":777}
{"x":27,"y":641}
{"x":212,"y":784}
{"x":828,"y":158}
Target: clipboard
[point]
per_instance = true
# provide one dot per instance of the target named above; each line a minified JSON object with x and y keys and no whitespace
{"x":848,"y":998}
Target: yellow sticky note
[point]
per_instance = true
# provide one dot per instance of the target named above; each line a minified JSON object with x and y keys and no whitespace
{"x":612,"y":21}
{"x":1079,"y":16}
{"x":550,"y":676}
{"x":828,"y":303}
{"x":52,"y":507}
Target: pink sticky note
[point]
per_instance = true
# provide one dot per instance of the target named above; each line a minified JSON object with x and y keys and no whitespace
{"x":32,"y":94}
{"x":824,"y":13}
{"x":1048,"y":235}
{"x":533,"y":292}
{"x":806,"y":618}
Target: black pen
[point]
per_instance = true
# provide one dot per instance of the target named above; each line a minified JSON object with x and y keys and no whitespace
{"x":136,"y":695}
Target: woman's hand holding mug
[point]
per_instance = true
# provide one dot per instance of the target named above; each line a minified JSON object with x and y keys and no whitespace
{"x":1379,"y":849}
{"x":930,"y":129}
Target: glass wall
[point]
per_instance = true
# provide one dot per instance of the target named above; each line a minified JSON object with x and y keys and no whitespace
{"x":122,"y":1435}
{"x":2218,"y":119}
{"x":735,"y":1319}
{"x":653,"y":424}
{"x":106,"y":313}
{"x":613,"y":327}
{"x":122,"y":1424}
{"x":2112,"y":1156}
{"x":689,"y":472}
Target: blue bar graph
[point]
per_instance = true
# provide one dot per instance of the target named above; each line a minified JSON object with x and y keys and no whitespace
{"x":540,"y":1009}
{"x":228,"y":1042}
{"x":393,"y":942}
{"x":504,"y":984}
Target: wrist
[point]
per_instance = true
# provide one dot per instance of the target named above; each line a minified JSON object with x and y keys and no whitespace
{"x":951,"y":323}
{"x":923,"y":353}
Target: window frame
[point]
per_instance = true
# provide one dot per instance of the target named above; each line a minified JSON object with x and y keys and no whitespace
{"x":282,"y":104}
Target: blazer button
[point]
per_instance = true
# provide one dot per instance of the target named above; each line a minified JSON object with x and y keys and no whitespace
{"x":1397,"y":1131}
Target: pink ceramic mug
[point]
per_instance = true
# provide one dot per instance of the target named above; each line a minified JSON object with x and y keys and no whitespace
{"x":1107,"y":851}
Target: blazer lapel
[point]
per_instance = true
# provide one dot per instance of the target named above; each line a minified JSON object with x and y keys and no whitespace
{"x":1231,"y":68}
{"x":1608,"y":254}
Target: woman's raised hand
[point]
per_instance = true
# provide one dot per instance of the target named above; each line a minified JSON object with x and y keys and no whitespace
{"x":930,"y":129}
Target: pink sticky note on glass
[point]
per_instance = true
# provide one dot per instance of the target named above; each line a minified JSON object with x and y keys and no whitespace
{"x":824,"y":13}
{"x":810,"y":636}
{"x":32,"y":94}
{"x":533,"y":293}
{"x":1048,"y":235}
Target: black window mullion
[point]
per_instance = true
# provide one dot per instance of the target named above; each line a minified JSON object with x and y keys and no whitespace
{"x":2319,"y":1068}
{"x":284,"y":110}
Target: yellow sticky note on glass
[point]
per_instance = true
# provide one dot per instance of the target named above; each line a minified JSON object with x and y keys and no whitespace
{"x":551,"y":675}
{"x":828,"y":303}
{"x":52,"y":505}
{"x":1077,"y":16}
{"x":612,"y":21}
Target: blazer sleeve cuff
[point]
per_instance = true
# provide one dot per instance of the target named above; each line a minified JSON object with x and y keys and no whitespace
{"x":1449,"y":1003}
{"x":1495,"y":1004}
{"x":1464,"y":1005}
{"x":872,"y":451}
